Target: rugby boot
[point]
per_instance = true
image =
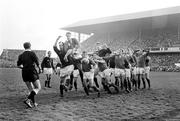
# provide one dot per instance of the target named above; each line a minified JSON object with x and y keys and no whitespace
{"x":28,"y":103}
{"x":48,"y":83}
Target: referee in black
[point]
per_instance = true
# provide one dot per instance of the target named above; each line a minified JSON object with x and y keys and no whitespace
{"x":28,"y":61}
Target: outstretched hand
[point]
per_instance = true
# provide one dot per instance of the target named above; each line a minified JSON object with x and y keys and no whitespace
{"x":59,"y":37}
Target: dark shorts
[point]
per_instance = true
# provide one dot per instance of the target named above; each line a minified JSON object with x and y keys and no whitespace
{"x":30,"y":75}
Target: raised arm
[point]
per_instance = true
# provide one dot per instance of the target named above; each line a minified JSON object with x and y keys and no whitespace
{"x":55,"y":45}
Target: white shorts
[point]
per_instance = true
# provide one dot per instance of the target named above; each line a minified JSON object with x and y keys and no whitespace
{"x":128,"y":72}
{"x":66,"y":71}
{"x":76,"y":73}
{"x":88,"y":75}
{"x":147,"y":70}
{"x":58,"y":70}
{"x":140,"y":70}
{"x":105,"y":73}
{"x":48,"y":71}
{"x":133,"y":70}
{"x":119,"y":72}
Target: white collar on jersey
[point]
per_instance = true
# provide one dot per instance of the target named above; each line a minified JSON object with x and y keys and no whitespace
{"x":27,"y":50}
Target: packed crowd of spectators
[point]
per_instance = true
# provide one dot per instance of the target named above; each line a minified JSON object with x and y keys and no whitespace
{"x":165,"y":61}
{"x":148,"y":39}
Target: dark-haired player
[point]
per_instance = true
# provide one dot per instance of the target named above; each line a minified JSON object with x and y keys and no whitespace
{"x":28,"y":61}
{"x":141,"y":56}
{"x":66,"y":67}
{"x":88,"y":66}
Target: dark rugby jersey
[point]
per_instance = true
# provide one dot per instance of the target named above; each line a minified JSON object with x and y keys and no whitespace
{"x":47,"y":63}
{"x":28,"y":59}
{"x":147,"y":61}
{"x":126,"y":64}
{"x":61,"y":54}
{"x":131,"y":60}
{"x":102,"y":66}
{"x":86,"y":67}
{"x":110,"y":61}
{"x":141,"y":60}
{"x":58,"y":65}
{"x":120,"y":62}
{"x":103,"y":52}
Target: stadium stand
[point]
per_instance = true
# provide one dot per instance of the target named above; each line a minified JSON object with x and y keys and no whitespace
{"x":164,"y":61}
{"x":158,"y":30}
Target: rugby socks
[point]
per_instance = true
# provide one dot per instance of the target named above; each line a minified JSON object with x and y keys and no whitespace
{"x":32,"y":96}
{"x":116,"y":81}
{"x":86,"y":88}
{"x":48,"y":83}
{"x":96,"y":82}
{"x":148,"y":81}
{"x":71,"y":79}
{"x":144,"y":84}
{"x":139,"y":82}
{"x":129,"y":85}
{"x":61,"y":90}
{"x":75,"y":85}
{"x":45,"y":83}
{"x":81,"y":75}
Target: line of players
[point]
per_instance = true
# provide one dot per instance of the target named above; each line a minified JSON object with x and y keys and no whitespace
{"x":129,"y":69}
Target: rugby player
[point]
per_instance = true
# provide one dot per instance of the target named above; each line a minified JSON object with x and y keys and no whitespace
{"x":27,"y":61}
{"x":88,"y":66}
{"x":132,"y":60}
{"x":147,"y":70}
{"x":70,"y":44}
{"x":66,"y":66}
{"x":105,"y":73}
{"x":105,"y":51}
{"x":119,"y":72}
{"x":141,"y":55}
{"x":127,"y":71}
{"x":48,"y":67}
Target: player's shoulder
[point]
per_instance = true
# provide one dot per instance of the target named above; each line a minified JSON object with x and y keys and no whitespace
{"x":74,"y":39}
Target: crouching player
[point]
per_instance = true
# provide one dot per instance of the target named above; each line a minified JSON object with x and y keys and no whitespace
{"x":26,"y":61}
{"x":88,"y":66}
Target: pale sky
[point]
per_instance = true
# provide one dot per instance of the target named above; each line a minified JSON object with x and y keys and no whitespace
{"x":38,"y":21}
